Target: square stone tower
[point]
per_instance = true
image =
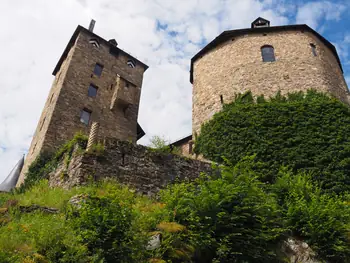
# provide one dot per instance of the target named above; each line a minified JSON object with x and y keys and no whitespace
{"x":94,"y":81}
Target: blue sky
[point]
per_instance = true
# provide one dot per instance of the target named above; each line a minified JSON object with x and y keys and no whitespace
{"x":164,"y":34}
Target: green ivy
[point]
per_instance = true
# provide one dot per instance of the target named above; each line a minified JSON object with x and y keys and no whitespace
{"x":47,"y":162}
{"x":306,"y":132}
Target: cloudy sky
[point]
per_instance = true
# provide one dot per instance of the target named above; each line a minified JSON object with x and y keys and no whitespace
{"x":165,"y":34}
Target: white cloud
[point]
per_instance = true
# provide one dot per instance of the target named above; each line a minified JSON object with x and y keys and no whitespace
{"x":313,"y":13}
{"x":34,"y":34}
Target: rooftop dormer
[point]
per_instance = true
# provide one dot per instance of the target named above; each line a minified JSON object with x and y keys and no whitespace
{"x":260,"y":22}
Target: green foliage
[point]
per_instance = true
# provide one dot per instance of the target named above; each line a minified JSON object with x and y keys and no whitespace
{"x":103,"y":225}
{"x":322,"y":219}
{"x":232,"y":218}
{"x":47,"y":162}
{"x":97,"y":149}
{"x":306,"y":132}
{"x":49,"y":235}
{"x":160,"y":144}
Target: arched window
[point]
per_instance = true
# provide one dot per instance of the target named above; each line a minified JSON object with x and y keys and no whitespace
{"x":268,"y":53}
{"x":94,"y":42}
{"x":131,"y":63}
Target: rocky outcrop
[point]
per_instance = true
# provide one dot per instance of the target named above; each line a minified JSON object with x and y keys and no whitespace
{"x":298,"y":251}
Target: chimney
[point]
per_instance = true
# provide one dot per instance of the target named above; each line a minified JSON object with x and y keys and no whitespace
{"x":92,"y":25}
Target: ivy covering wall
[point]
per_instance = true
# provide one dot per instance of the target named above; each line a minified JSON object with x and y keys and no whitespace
{"x":305,"y":132}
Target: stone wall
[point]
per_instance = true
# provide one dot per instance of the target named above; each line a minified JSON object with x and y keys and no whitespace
{"x":236,"y":66}
{"x":137,"y":166}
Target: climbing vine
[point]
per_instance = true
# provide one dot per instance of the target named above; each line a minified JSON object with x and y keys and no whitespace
{"x":306,"y":132}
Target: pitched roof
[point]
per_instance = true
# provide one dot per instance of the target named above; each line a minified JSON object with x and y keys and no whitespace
{"x":260,"y":19}
{"x":11,"y":180}
{"x":226,"y":35}
{"x":140,"y":132}
{"x":102,"y":40}
{"x":181,"y":141}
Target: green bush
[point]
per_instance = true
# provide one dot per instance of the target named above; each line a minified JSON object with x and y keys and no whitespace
{"x":232,"y":218}
{"x":306,"y":132}
{"x":103,"y":225}
{"x":161,"y":145}
{"x":321,"y":219}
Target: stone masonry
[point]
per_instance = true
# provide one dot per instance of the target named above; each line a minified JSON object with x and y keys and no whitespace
{"x":236,"y":66}
{"x":145,"y":170}
{"x":115,"y":105}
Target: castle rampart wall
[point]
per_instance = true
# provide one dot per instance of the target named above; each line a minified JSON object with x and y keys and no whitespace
{"x":135,"y":165}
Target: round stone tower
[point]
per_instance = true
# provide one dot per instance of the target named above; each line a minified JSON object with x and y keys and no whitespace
{"x":264,"y":60}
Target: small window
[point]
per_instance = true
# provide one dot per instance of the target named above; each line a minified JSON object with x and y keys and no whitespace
{"x":314,"y":50}
{"x":92,"y":91}
{"x":131,"y":63}
{"x":98,"y":69}
{"x":85,"y":116}
{"x":268,"y":54}
{"x":190,"y":147}
{"x":94,"y":42}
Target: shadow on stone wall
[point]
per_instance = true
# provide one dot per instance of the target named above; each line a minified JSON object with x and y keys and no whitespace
{"x":142,"y":168}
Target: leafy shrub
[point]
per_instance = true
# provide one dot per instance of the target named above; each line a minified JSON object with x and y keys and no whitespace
{"x":306,"y":132}
{"x":232,"y":218}
{"x":104,"y":225}
{"x":322,"y":220}
{"x":159,"y":144}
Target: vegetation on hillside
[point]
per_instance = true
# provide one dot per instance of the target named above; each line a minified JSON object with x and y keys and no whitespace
{"x":231,"y":218}
{"x":265,"y":193}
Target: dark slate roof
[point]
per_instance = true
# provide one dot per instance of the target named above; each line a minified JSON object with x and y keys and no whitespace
{"x":181,"y":141}
{"x":11,"y":180}
{"x":72,"y":41}
{"x":261,"y":19}
{"x":140,"y":132}
{"x":226,"y":35}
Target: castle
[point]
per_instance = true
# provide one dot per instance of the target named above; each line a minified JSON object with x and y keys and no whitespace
{"x":97,"y":81}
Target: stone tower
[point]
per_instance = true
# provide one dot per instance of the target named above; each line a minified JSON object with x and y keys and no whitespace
{"x":264,"y":60}
{"x":94,"y":81}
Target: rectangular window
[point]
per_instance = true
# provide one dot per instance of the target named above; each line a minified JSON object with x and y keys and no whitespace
{"x":85,"y":116}
{"x":98,"y":69}
{"x":314,"y":51}
{"x":268,"y":54}
{"x":190,"y":147}
{"x":92,"y":91}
